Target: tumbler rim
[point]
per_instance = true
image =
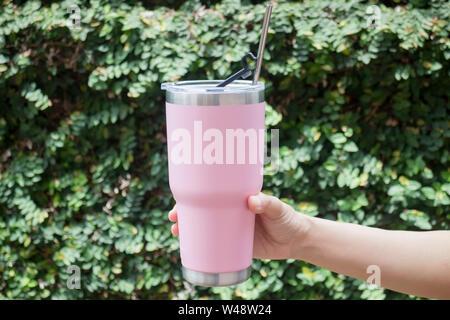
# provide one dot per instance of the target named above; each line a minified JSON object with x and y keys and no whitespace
{"x":206,"y":93}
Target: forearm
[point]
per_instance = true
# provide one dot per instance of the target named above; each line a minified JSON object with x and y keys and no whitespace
{"x":411,"y":262}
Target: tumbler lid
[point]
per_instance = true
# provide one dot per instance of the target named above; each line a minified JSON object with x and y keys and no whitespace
{"x":206,"y":93}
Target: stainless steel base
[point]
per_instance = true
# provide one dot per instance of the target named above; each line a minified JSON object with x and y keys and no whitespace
{"x":215,"y":279}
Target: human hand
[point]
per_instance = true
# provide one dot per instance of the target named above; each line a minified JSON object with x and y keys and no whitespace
{"x":279,"y":229}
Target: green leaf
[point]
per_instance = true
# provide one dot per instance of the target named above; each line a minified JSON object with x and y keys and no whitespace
{"x":417,"y":218}
{"x":350,"y":147}
{"x":429,"y":193}
{"x":338,"y":138}
{"x":395,"y":190}
{"x":330,"y":165}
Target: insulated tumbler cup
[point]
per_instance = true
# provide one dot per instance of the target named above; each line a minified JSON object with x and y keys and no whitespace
{"x":216,"y":141}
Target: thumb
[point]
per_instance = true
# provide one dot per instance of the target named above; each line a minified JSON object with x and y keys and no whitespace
{"x":271,"y":206}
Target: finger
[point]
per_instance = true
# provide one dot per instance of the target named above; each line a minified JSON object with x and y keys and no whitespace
{"x":175,"y":230}
{"x":271,"y":206}
{"x":173,"y":215}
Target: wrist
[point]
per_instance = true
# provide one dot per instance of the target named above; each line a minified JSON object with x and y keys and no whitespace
{"x":302,"y":238}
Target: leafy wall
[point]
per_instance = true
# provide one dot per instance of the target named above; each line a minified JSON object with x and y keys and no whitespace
{"x":362,"y":110}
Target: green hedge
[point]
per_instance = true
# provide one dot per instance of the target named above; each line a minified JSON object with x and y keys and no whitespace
{"x":362,"y":111}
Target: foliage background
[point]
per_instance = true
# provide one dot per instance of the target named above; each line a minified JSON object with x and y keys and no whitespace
{"x":362,"y":113}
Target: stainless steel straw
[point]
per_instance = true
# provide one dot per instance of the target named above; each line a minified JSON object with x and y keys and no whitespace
{"x":262,"y":42}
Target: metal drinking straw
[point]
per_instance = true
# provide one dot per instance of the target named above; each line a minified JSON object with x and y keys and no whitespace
{"x":262,"y":42}
{"x":245,"y":71}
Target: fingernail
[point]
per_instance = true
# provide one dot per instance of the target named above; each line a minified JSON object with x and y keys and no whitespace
{"x":257,"y":202}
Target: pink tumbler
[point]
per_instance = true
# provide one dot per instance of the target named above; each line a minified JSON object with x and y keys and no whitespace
{"x":216,"y":139}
